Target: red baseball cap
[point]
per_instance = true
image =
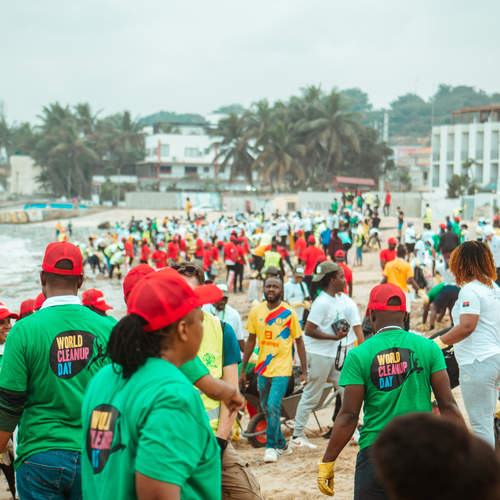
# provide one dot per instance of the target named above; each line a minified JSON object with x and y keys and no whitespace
{"x":27,"y":306}
{"x":321,"y":259}
{"x":208,"y":244}
{"x":165,"y":297}
{"x":442,"y":226}
{"x":300,"y":231}
{"x":220,"y":243}
{"x":62,"y":250}
{"x":39,"y":301}
{"x":380,"y":295}
{"x":311,"y":239}
{"x":161,"y":244}
{"x":94,"y":297}
{"x":339,"y":254}
{"x":240,"y":239}
{"x":5,"y":313}
{"x":134,"y":276}
{"x":392,"y":241}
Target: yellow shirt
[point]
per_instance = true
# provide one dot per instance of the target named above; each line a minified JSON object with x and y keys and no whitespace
{"x":188,"y":206}
{"x":398,"y":271}
{"x":275,"y":331}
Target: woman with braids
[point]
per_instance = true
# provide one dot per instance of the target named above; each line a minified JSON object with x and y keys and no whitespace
{"x":476,"y":334}
{"x":146,"y":432}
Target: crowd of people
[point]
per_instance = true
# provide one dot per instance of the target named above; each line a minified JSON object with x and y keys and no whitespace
{"x":95,"y":407}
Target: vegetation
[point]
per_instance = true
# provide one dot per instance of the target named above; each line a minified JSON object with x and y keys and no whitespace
{"x":73,"y":144}
{"x":459,"y":185}
{"x":303,"y":142}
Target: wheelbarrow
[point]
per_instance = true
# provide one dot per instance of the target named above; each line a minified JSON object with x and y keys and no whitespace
{"x":257,"y":427}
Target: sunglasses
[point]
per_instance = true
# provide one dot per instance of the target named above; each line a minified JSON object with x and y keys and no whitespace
{"x":187,"y":269}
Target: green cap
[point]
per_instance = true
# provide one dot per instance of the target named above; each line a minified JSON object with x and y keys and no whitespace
{"x":271,"y":270}
{"x":299,"y":271}
{"x":325,"y":268}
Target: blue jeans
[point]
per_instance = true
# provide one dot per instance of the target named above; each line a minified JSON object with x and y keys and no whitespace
{"x":272,"y":391}
{"x":366,"y":484}
{"x":55,"y":474}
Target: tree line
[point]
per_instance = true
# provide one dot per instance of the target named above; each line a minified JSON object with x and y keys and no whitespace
{"x":72,"y":144}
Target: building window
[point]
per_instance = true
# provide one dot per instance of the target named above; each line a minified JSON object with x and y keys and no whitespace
{"x":206,"y":170}
{"x":192,"y":152}
{"x":478,"y":173}
{"x":449,"y":172}
{"x":165,"y":150}
{"x":494,"y":173}
{"x":206,"y":151}
{"x":435,"y":176}
{"x":190,"y":170}
{"x":165,"y":169}
{"x":290,"y":206}
{"x":426,"y":178}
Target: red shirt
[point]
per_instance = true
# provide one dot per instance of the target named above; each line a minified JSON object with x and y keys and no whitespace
{"x":300,"y":246}
{"x":283,"y":252}
{"x":388,"y":255}
{"x":129,"y":249}
{"x":246,"y":246}
{"x":240,"y":251}
{"x":215,"y":253}
{"x":207,"y":262}
{"x":145,"y":251}
{"x":310,"y":257}
{"x":388,"y":197}
{"x":173,"y":251}
{"x":199,"y":252}
{"x":183,"y":245}
{"x":160,"y":258}
{"x":347,"y":274}
{"x":230,"y":251}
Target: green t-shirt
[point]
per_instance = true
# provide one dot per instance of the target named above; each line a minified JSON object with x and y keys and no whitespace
{"x":434,"y":292}
{"x":51,"y":356}
{"x":194,"y":369}
{"x":153,"y":423}
{"x":395,"y":367}
{"x":112,"y":320}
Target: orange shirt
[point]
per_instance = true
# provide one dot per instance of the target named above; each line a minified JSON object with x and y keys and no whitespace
{"x":398,"y":271}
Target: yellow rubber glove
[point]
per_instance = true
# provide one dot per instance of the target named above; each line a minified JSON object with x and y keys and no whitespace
{"x":296,"y":305}
{"x":325,"y":477}
{"x":440,"y":343}
{"x":423,"y":296}
{"x":306,"y":304}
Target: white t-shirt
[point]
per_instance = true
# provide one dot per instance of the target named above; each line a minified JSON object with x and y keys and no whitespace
{"x":494,"y":245}
{"x":296,"y":292}
{"x":446,"y":274}
{"x":296,"y":224}
{"x":352,"y":311}
{"x":410,"y":235}
{"x":420,"y":251}
{"x":228,"y":315}
{"x":325,"y":311}
{"x":484,"y":341}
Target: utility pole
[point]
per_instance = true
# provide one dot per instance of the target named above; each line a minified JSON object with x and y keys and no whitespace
{"x":386,"y":127}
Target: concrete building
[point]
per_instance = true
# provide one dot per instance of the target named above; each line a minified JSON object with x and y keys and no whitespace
{"x":474,"y":133}
{"x":419,"y":169}
{"x":186,"y":161}
{"x":23,"y":176}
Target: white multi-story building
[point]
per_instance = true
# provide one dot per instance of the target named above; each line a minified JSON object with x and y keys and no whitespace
{"x":186,"y":160}
{"x":475,"y":134}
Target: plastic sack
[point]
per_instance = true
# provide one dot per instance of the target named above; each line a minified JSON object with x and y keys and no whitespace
{"x":253,"y":291}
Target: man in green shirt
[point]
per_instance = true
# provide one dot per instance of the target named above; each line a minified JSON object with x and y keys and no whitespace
{"x":49,"y":359}
{"x":392,"y":373}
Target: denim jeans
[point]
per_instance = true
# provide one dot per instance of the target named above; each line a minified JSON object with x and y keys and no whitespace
{"x":54,"y":474}
{"x":272,"y":390}
{"x":366,"y":485}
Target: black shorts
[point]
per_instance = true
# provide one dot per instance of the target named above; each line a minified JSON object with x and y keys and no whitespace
{"x":410,"y":247}
{"x":446,"y":297}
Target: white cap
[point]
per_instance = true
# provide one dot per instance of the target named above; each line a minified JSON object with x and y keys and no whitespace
{"x":487,"y":231}
{"x":481,"y":219}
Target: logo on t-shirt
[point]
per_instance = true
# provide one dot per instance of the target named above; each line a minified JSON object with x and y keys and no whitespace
{"x":465,"y":304}
{"x":100,"y":435}
{"x":71,"y":352}
{"x":391,"y":367}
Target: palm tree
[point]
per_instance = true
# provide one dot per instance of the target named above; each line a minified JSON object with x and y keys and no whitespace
{"x":71,"y":143}
{"x":280,"y":155}
{"x":233,"y":146}
{"x":260,"y":120}
{"x":330,"y":124}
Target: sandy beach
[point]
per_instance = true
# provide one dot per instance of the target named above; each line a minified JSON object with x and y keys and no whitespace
{"x":294,"y":476}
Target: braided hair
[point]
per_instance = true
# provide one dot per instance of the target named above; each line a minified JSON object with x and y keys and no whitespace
{"x":319,"y":286}
{"x":130,"y":346}
{"x":473,"y":260}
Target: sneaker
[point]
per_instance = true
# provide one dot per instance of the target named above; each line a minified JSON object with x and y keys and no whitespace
{"x":355,"y":438}
{"x":302,"y":442}
{"x":283,"y":452}
{"x":270,"y":455}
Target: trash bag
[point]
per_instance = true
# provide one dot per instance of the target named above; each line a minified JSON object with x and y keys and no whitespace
{"x":253,"y":291}
{"x":420,"y":278}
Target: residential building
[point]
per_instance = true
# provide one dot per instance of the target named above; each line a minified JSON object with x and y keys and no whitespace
{"x":475,"y":134}
{"x":23,"y":176}
{"x":419,"y":169}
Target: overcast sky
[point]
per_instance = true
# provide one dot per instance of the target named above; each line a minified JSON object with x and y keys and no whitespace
{"x":196,"y":55}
